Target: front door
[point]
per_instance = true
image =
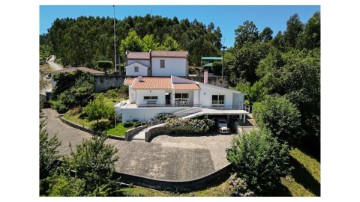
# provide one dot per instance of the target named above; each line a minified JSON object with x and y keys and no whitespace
{"x":167,"y":98}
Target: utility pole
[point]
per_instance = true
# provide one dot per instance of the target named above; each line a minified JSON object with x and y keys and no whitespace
{"x":222,"y":71}
{"x":114,"y":41}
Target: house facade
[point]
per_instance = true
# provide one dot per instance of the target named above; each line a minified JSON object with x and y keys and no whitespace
{"x":149,"y":96}
{"x":157,"y":63}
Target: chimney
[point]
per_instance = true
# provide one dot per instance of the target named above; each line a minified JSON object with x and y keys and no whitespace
{"x":206,"y":75}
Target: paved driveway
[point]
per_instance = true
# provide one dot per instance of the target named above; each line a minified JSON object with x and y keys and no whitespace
{"x":168,"y":158}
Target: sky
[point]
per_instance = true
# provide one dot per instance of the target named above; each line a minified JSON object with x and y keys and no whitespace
{"x":228,"y":18}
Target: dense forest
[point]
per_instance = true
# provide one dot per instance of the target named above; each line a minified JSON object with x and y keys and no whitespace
{"x":85,"y":40}
{"x":260,"y":63}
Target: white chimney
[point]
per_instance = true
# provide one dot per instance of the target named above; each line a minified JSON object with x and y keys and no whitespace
{"x":206,"y":75}
{"x":140,"y":78}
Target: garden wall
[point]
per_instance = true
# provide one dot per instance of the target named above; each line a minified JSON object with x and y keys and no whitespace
{"x":105,"y":82}
{"x":131,"y":132}
{"x":178,"y":186}
{"x":153,"y":132}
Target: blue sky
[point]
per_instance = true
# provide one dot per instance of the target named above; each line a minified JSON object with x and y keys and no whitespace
{"x":228,"y":18}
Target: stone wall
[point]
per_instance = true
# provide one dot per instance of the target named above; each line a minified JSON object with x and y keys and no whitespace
{"x":178,"y":186}
{"x":105,"y":82}
{"x":131,"y":132}
{"x":153,"y":132}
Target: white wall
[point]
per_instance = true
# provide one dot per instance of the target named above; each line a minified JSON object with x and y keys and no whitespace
{"x":238,"y":99}
{"x":130,"y":70}
{"x":143,"y":62}
{"x":145,"y":113}
{"x":173,"y":66}
{"x":132,"y":95}
{"x":141,"y":93}
{"x":206,"y":93}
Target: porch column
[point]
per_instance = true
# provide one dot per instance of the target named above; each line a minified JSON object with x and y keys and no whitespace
{"x":244,"y":118}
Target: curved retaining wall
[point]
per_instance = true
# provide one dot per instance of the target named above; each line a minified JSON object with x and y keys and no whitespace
{"x":131,"y":132}
{"x":178,"y":186}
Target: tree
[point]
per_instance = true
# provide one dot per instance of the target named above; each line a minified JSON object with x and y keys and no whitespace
{"x":217,"y":67}
{"x":93,"y":162}
{"x":248,"y":32}
{"x":293,"y":30}
{"x":311,"y":36}
{"x":131,"y":43}
{"x":246,"y":61}
{"x":97,"y":109}
{"x":279,"y":42}
{"x":296,"y":75}
{"x":280,"y":117}
{"x":266,"y":35}
{"x":104,"y":65}
{"x":149,"y":43}
{"x":87,"y":172}
{"x":169,"y":44}
{"x":260,"y":160}
{"x":49,"y":156}
{"x":254,"y":93}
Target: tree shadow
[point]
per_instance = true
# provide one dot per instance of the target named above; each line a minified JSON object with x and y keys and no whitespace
{"x":303,"y":177}
{"x":281,"y":190}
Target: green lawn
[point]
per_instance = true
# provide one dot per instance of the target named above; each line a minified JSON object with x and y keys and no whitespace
{"x":118,"y":131}
{"x":304,"y":181}
{"x":215,"y":190}
{"x":76,"y":119}
{"x":305,"y":178}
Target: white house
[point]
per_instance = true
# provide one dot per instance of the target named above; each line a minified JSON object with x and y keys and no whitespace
{"x":157,"y":63}
{"x":149,"y":96}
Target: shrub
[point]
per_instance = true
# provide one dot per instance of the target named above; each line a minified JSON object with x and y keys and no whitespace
{"x":102,"y":125}
{"x":58,"y":106}
{"x":239,"y":187}
{"x":188,"y":126}
{"x":75,"y":111}
{"x":260,"y":160}
{"x":128,"y":124}
{"x":280,"y":116}
{"x":97,"y":109}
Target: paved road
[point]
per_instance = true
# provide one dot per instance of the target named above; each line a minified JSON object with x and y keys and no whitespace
{"x":53,"y":65}
{"x":168,"y":158}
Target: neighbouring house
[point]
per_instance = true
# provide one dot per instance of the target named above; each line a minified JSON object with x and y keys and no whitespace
{"x":74,"y":69}
{"x":157,"y":63}
{"x":149,"y":96}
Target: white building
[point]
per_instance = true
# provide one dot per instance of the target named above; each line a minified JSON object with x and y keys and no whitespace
{"x":149,"y":96}
{"x":157,"y":63}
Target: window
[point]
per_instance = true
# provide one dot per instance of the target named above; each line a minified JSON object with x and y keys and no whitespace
{"x":136,"y":69}
{"x":218,"y":99}
{"x":181,"y":95}
{"x":150,"y":97}
{"x":162,"y":63}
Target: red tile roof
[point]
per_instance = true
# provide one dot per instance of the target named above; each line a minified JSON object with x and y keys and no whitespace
{"x":83,"y":69}
{"x":138,"y":56}
{"x":172,"y":54}
{"x":152,"y":83}
{"x":187,"y":86}
{"x":128,"y":81}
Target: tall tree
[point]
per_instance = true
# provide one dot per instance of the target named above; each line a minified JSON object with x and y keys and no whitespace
{"x":149,"y":43}
{"x":169,"y":44}
{"x":131,"y":43}
{"x":311,"y":35}
{"x":266,"y":34}
{"x":248,"y":32}
{"x":293,"y":30}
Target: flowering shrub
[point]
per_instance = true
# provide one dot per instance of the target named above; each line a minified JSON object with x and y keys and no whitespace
{"x":238,"y":187}
{"x":189,"y":126}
